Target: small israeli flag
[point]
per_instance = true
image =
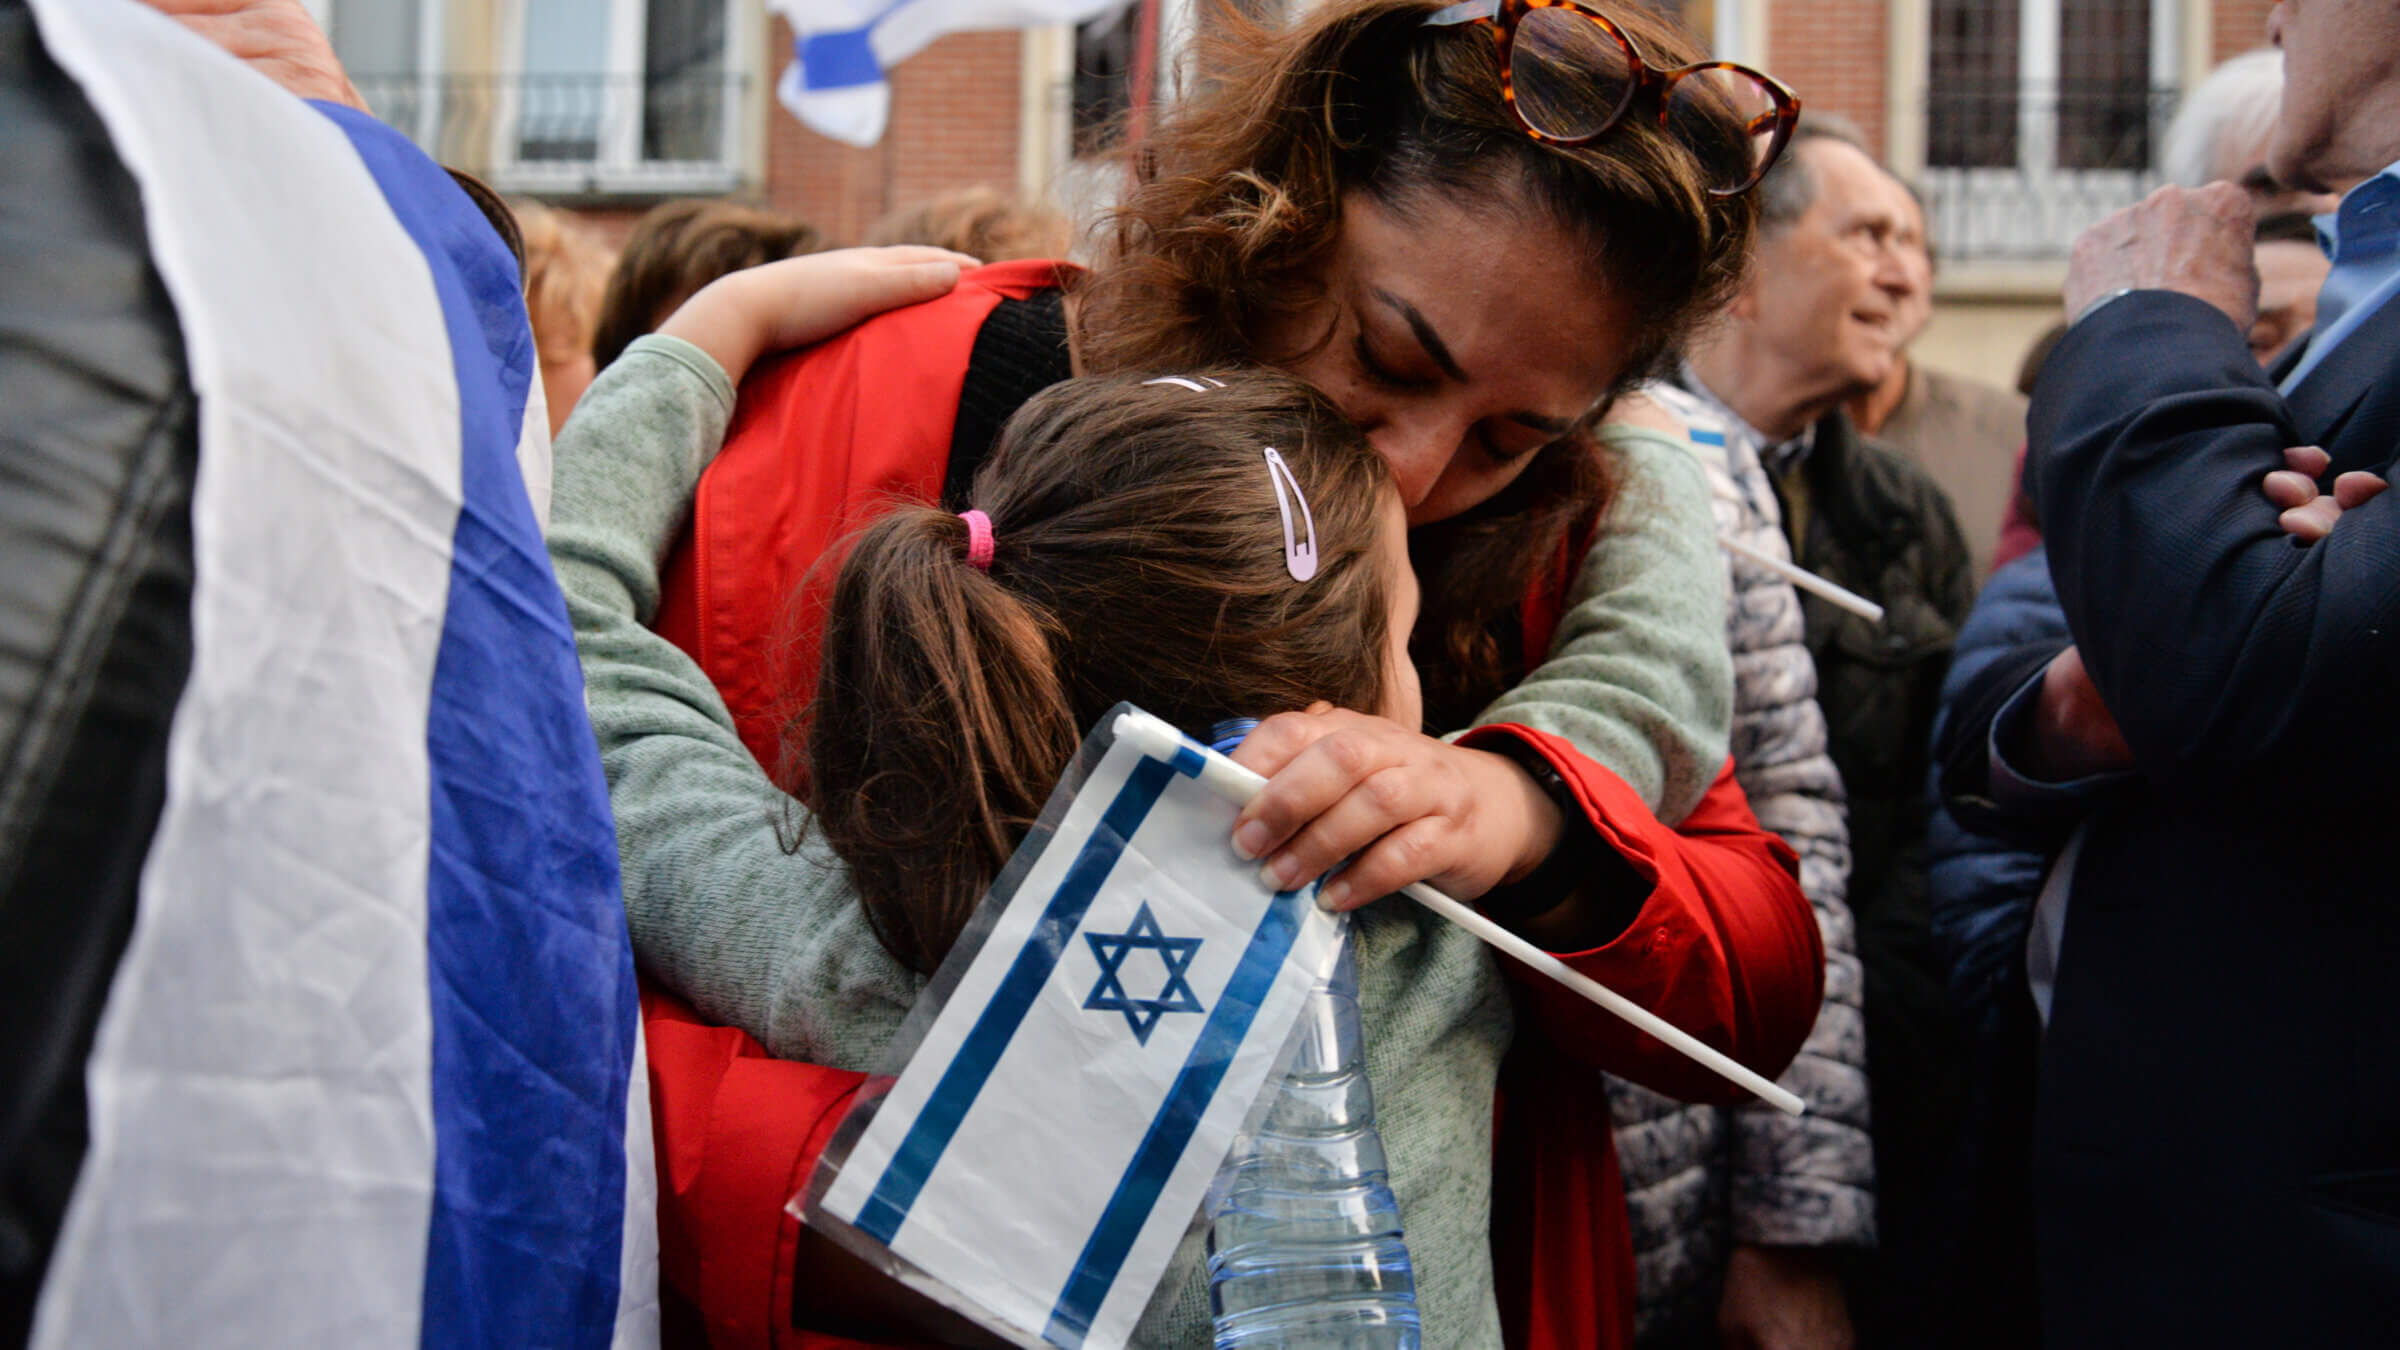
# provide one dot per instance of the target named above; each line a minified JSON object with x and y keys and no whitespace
{"x":1085,"y":1057}
{"x":841,"y":49}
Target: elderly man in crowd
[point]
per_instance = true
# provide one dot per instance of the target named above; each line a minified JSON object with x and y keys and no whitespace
{"x":1818,"y":323}
{"x":2222,"y":730}
{"x":1963,"y":431}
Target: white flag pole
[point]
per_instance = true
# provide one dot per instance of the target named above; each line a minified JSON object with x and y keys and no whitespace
{"x":1806,"y":580}
{"x":1239,"y":785}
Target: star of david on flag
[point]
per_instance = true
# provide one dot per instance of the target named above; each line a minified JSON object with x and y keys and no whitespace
{"x":1030,"y":1164}
{"x":1174,"y":995}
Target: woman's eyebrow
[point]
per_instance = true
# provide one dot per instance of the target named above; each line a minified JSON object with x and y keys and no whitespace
{"x":1434,"y":347}
{"x":1430,"y":340}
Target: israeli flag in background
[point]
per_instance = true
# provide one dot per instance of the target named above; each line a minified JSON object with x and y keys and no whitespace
{"x":1106,"y":1028}
{"x":370,"y":1072}
{"x":841,"y":50}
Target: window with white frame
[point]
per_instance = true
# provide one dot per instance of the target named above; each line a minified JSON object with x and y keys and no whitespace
{"x":2041,"y":117}
{"x":573,"y":97}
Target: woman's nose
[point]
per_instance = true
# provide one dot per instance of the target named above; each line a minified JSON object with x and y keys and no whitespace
{"x":1416,"y":450}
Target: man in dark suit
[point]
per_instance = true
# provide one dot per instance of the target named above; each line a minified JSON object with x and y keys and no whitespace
{"x":2218,"y":1133}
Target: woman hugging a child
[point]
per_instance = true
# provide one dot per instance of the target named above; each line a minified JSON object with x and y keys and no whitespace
{"x":1123,"y":541}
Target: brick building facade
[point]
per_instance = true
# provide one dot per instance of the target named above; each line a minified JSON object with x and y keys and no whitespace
{"x":2021,"y":120}
{"x":1923,"y":78}
{"x":958,"y":110}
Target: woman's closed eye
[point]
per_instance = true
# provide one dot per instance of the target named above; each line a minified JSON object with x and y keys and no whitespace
{"x":1382,"y":372}
{"x":1508,"y":442}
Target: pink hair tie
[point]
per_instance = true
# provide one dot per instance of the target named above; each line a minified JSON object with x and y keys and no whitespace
{"x":979,"y":540}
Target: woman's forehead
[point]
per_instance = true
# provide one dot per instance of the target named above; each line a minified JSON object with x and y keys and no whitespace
{"x":1499,"y":289}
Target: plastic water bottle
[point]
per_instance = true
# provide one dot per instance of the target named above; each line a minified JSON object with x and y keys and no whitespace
{"x":1304,"y":1241}
{"x":1304,"y":1245}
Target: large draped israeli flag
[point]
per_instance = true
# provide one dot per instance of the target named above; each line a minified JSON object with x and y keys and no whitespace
{"x":369,"y":1074}
{"x":1086,"y":1056}
{"x":841,"y":49}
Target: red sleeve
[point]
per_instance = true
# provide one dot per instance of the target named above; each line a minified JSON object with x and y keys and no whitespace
{"x":738,"y":1133}
{"x":1725,"y":947}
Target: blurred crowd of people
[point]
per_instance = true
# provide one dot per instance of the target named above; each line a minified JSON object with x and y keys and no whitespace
{"x":1994,"y":766}
{"x":589,"y":300}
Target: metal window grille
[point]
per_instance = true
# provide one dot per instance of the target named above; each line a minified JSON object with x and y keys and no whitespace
{"x":1971,"y":109}
{"x":2104,"y":95}
{"x":671,"y":125}
{"x":2041,"y":117}
{"x":555,"y":134}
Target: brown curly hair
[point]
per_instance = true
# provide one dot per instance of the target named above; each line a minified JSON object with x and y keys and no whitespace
{"x":1236,"y":209}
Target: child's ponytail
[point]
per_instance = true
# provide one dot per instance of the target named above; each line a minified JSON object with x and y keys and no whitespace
{"x":1137,"y":546}
{"x":944,"y":724}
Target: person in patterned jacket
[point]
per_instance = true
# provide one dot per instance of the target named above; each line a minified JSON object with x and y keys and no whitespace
{"x":1739,"y":1215}
{"x":1814,"y":324}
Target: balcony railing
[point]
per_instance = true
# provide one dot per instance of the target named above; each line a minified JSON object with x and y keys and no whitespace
{"x":2014,"y":174}
{"x":577,"y":135}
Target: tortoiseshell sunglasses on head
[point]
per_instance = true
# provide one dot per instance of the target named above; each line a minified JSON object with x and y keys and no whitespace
{"x":1569,"y":75}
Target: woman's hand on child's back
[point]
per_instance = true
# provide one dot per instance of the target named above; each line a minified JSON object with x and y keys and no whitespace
{"x":745,"y":315}
{"x":1410,"y":807}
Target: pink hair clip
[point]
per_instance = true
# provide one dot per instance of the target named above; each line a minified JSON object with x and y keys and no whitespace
{"x":1299,"y":554}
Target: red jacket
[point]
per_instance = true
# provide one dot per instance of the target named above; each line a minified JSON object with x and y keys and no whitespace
{"x":1726,"y":947}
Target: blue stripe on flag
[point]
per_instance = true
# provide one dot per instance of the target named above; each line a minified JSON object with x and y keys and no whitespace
{"x":1188,"y":760}
{"x":1703,"y":436}
{"x":1171,"y":1130}
{"x":837,"y":60}
{"x":532,"y":995}
{"x":843,"y":60}
{"x":886,"y":1207}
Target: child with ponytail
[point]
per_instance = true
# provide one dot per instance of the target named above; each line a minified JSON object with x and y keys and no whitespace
{"x":1124,"y":542}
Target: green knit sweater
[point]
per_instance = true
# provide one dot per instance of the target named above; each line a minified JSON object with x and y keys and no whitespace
{"x":776,"y":943}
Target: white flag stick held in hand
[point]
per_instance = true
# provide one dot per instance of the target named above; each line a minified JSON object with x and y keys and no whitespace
{"x":1238,"y":785}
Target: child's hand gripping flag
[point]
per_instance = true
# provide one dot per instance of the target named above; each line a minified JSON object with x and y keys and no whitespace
{"x":1082,"y":1061}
